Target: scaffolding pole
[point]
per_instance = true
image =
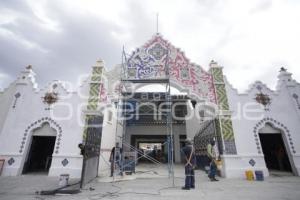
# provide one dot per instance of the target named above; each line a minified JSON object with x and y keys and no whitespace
{"x":169,"y":124}
{"x":121,"y":122}
{"x":169,"y":121}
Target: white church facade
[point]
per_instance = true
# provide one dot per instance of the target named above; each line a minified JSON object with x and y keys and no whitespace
{"x":40,"y":129}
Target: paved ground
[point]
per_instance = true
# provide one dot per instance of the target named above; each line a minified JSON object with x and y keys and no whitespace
{"x":153,"y":183}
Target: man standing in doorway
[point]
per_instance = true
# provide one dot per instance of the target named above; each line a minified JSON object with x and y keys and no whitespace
{"x":190,"y":163}
{"x":211,"y":153}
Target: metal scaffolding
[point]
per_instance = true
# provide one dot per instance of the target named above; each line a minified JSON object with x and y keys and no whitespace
{"x":122,"y":112}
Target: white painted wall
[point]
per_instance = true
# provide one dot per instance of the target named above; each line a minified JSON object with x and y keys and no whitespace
{"x":66,"y":117}
{"x":108,"y":140}
{"x":283,"y":109}
{"x":28,"y":115}
{"x":6,"y":101}
{"x":44,"y":130}
{"x":193,"y":123}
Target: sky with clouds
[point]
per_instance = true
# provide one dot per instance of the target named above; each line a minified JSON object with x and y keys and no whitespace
{"x":62,"y":39}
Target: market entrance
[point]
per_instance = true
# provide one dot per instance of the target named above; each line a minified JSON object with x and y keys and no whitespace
{"x":276,"y":157}
{"x":150,"y":146}
{"x":40,"y":154}
{"x":274,"y":149}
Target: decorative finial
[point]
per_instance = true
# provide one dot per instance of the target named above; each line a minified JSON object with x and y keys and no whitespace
{"x":282,"y":69}
{"x":99,"y":63}
{"x":213,"y":62}
{"x":29,"y":67}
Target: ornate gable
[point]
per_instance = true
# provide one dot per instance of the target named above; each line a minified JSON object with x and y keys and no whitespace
{"x":150,"y":62}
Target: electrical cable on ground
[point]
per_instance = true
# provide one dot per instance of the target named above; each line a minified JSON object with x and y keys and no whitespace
{"x":118,"y":193}
{"x":60,"y":190}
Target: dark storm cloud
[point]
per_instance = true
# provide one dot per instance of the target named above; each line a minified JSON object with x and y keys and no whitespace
{"x":63,"y":54}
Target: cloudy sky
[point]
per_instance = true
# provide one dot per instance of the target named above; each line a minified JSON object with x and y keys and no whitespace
{"x":62,"y":39}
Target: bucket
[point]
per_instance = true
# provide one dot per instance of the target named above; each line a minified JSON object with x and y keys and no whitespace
{"x":219,"y":164}
{"x":259,"y":175}
{"x":63,"y":180}
{"x":249,"y":175}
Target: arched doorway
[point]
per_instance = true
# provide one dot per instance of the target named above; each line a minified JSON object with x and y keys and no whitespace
{"x":40,"y":150}
{"x":275,"y":151}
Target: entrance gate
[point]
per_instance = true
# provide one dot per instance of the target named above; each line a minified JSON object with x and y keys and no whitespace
{"x":206,"y":133}
{"x":158,"y":62}
{"x":92,"y":149}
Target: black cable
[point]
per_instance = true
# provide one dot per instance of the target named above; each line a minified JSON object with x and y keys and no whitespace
{"x":156,"y":173}
{"x":59,"y":190}
{"x":117,"y":193}
{"x":107,"y":194}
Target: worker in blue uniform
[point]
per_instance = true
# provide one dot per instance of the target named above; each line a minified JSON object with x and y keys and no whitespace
{"x":190,"y":164}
